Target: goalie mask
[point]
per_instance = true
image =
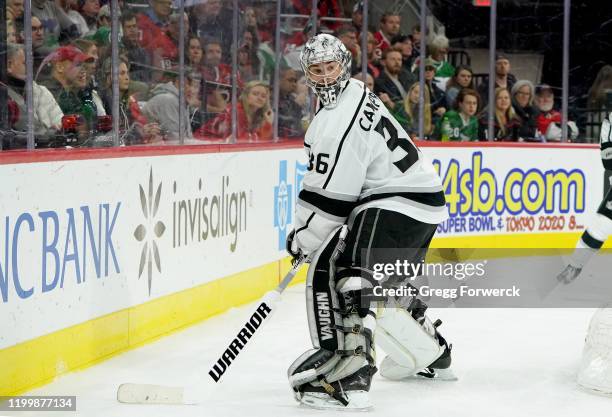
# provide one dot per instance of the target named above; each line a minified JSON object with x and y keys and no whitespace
{"x":327,"y":66}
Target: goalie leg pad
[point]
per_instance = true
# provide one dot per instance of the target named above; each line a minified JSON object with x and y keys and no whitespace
{"x":412,"y":344}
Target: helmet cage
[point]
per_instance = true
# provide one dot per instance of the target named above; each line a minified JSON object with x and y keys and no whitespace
{"x":322,"y":49}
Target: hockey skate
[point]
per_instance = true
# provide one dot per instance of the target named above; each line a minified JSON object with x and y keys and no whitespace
{"x":569,"y":274}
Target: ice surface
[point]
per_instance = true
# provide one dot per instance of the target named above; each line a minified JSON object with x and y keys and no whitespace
{"x":510,"y":362}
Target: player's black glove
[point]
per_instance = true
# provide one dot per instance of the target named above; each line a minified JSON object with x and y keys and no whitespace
{"x":295,"y":254}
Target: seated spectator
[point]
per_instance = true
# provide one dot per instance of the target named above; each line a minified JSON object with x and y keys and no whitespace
{"x":404,"y":44}
{"x":549,"y":120}
{"x":348,"y":37}
{"x":390,"y":23}
{"x":248,"y":60}
{"x":209,"y":19}
{"x":88,"y":10}
{"x":91,"y":67}
{"x":39,"y":49}
{"x":194,"y":56}
{"x":357,"y":16}
{"x":47,"y":114}
{"x":134,"y":128}
{"x":506,"y":123}
{"x":59,"y":28}
{"x":254,"y":117}
{"x":14,"y":10}
{"x":463,"y":78}
{"x":415,"y":34}
{"x":407,"y":113}
{"x":139,"y":59}
{"x":163,"y":106}
{"x":328,"y":8}
{"x":369,"y":81}
{"x":214,"y":69}
{"x":438,"y":48}
{"x":68,"y":84}
{"x":11,"y":32}
{"x":522,"y":101}
{"x":164,"y":46}
{"x":436,"y":95}
{"x":460,"y":124}
{"x":289,"y":111}
{"x":599,"y":102}
{"x":104,"y":17}
{"x":393,"y":81}
{"x":152,"y":21}
{"x":374,"y":57}
{"x":503,"y":78}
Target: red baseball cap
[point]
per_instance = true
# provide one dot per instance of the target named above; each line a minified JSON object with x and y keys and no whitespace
{"x":70,"y":53}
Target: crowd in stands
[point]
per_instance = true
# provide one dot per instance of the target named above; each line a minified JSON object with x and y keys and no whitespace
{"x":72,"y":68}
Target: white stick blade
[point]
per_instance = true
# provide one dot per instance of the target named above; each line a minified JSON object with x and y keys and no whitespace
{"x":149,"y":394}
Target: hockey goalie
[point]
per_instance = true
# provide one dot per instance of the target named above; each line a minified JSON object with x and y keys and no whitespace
{"x":367,"y":179}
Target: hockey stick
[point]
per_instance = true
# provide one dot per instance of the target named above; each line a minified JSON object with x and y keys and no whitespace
{"x":130,"y":393}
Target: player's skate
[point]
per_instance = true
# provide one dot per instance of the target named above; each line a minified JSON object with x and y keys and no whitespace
{"x":569,"y":274}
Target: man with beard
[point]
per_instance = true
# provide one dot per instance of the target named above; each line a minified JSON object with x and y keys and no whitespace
{"x":503,"y":78}
{"x":68,"y":84}
{"x":393,"y":83}
{"x":548,"y":120}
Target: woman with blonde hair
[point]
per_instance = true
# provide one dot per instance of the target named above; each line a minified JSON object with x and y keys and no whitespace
{"x":408,"y":113}
{"x":254,"y":117}
{"x":506,"y":123}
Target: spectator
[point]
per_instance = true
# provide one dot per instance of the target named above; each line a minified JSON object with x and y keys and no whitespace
{"x":210,"y":19}
{"x":374,"y":56}
{"x":68,"y":84}
{"x":389,"y":27}
{"x":104,"y":16}
{"x":404,"y":44}
{"x":47,"y":115}
{"x":163,"y":106}
{"x":59,"y":28}
{"x":14,"y":10}
{"x":254,"y":117}
{"x":463,"y":78}
{"x":503,"y":78}
{"x":289,"y":111}
{"x":407,"y":112}
{"x":91,"y":67}
{"x":369,"y":81}
{"x":599,"y":102}
{"x":327,"y":8}
{"x":214,"y":69}
{"x":164,"y":47}
{"x":139,"y":59}
{"x":357,"y":16}
{"x":416,"y":40}
{"x":194,"y":57}
{"x":549,"y":120}
{"x":11,"y":32}
{"x":393,"y":80}
{"x":152,"y":22}
{"x":461,"y":124}
{"x":134,"y":128}
{"x":506,"y":123}
{"x":436,"y":95}
{"x":348,"y":37}
{"x":522,"y":101}
{"x":39,"y":49}
{"x":438,"y":48}
{"x":600,"y":93}
{"x":248,"y":59}
{"x":89,"y":16}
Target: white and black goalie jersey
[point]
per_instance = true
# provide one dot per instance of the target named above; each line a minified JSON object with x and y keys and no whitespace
{"x":360,"y":157}
{"x":605,"y":142}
